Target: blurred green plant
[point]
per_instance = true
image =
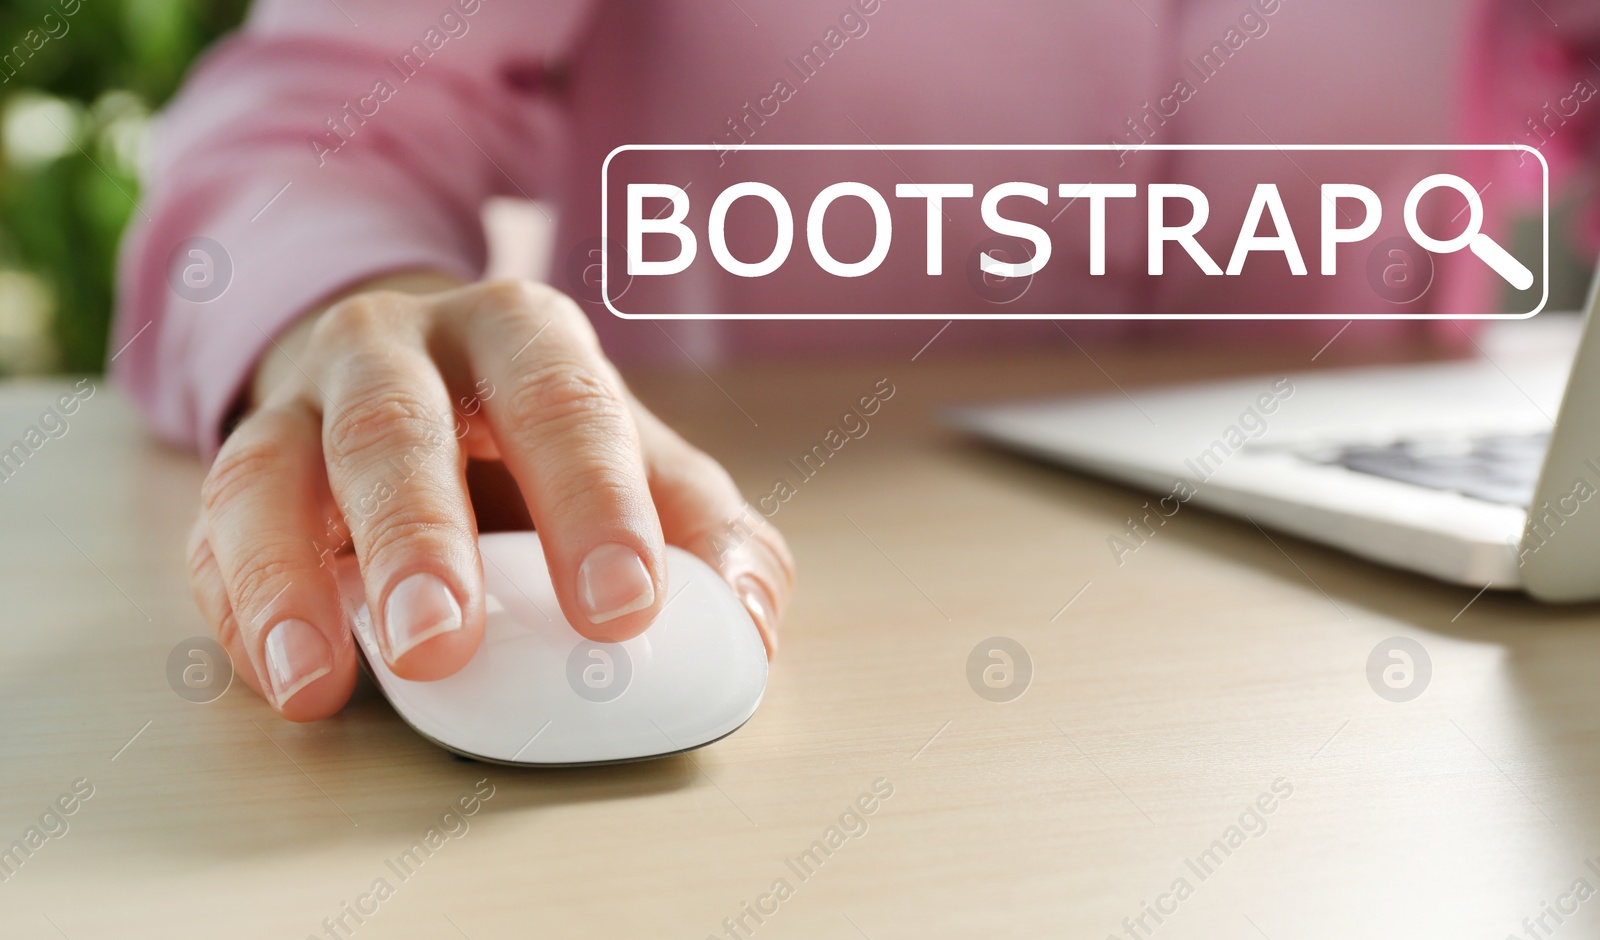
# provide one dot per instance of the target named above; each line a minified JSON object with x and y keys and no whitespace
{"x":72,"y":127}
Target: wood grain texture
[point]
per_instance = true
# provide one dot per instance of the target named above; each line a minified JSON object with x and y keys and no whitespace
{"x":1167,"y":698}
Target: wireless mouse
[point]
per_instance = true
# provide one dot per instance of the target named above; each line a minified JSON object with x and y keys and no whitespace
{"x":538,"y":693}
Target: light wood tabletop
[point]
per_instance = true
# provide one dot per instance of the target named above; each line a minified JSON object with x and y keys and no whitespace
{"x":1197,"y":753}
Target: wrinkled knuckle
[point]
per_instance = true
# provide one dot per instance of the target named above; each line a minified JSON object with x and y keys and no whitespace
{"x":260,"y":582}
{"x":562,"y":392}
{"x":405,"y":529}
{"x":200,"y":559}
{"x":383,"y":419}
{"x":199,"y":538}
{"x":240,"y":466}
{"x":578,"y":493}
{"x":227,"y":631}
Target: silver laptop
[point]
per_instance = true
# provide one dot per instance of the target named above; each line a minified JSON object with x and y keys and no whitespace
{"x":1483,"y":473}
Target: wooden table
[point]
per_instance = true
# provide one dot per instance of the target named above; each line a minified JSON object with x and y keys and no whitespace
{"x":1168,"y":696}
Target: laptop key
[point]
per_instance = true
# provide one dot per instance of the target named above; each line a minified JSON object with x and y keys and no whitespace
{"x":1497,"y":468}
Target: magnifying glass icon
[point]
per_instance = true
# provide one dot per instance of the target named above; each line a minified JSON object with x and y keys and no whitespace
{"x":1472,"y":236}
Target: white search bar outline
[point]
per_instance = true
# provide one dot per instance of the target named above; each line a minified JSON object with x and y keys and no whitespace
{"x":1544,"y":221}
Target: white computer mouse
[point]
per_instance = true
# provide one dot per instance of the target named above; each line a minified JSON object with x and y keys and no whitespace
{"x":539,"y":693}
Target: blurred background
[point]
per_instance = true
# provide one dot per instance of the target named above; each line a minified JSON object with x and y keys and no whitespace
{"x":79,"y":81}
{"x":76,"y":94}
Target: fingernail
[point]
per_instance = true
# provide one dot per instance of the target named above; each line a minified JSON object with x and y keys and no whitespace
{"x":613,"y":581}
{"x":419,"y":608}
{"x":297,"y":655}
{"x":754,"y":598}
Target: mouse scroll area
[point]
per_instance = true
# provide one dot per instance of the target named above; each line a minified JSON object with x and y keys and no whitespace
{"x":539,"y":693}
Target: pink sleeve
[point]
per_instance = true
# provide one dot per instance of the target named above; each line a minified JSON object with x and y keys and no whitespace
{"x":324,"y":144}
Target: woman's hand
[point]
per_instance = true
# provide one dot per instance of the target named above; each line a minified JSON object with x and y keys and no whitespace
{"x":364,"y":417}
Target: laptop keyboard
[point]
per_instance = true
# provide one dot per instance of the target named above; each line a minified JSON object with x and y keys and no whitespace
{"x":1497,"y":468}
